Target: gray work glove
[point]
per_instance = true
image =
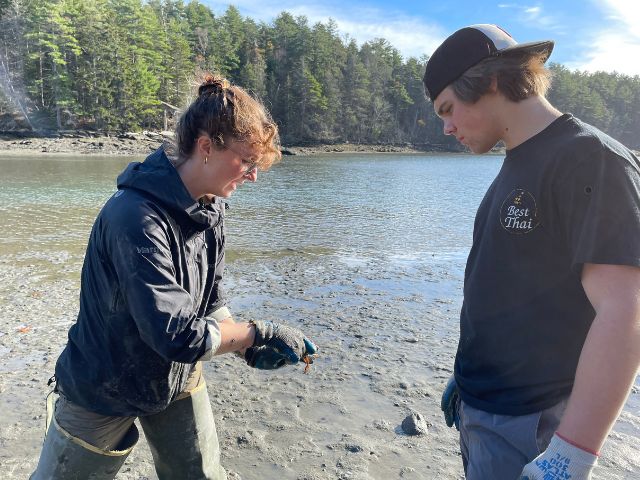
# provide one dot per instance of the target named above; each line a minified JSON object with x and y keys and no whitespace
{"x":450,"y":403}
{"x":560,"y":460}
{"x":277,"y":345}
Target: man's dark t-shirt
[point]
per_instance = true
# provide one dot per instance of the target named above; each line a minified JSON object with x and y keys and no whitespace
{"x":567,"y":196}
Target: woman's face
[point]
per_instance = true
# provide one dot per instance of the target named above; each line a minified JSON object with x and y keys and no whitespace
{"x":227,"y":169}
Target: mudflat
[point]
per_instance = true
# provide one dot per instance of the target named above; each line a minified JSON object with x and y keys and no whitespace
{"x":384,"y":354}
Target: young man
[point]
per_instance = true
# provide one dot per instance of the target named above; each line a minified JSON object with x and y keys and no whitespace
{"x":550,"y":324}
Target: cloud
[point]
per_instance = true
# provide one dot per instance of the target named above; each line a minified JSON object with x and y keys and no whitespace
{"x":624,"y":11}
{"x":533,"y":16}
{"x":411,"y":37}
{"x":616,"y":45}
{"x":611,"y":51}
{"x":409,"y":34}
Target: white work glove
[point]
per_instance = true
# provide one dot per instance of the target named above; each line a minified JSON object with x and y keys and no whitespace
{"x":560,"y":461}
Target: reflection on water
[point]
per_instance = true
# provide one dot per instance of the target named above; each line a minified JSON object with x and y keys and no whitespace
{"x":403,"y":208}
{"x":363,"y":206}
{"x":47,"y":207}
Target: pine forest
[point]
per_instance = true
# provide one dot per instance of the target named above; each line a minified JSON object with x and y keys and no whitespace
{"x":129,"y":65}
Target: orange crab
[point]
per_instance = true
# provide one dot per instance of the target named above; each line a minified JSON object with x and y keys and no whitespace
{"x":308,"y":360}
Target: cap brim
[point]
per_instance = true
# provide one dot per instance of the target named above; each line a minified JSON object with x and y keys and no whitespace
{"x":544,"y":47}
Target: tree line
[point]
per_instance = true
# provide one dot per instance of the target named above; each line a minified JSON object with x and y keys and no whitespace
{"x":124,"y":65}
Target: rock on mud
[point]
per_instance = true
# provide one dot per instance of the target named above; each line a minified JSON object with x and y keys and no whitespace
{"x":414,"y":424}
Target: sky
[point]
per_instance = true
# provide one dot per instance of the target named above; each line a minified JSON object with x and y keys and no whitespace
{"x":590,"y":35}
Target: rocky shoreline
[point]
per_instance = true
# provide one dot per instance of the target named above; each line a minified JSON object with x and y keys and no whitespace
{"x":142,"y":143}
{"x":95,"y":143}
{"x":81,"y":142}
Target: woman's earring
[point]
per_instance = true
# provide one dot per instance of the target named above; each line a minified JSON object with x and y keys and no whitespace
{"x":206,"y":159}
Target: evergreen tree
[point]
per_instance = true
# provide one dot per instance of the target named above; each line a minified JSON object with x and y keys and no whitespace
{"x":4,"y":5}
{"x":326,"y":57}
{"x":15,"y":105}
{"x":52,"y":36}
{"x":200,"y":34}
{"x":356,"y":94}
{"x":253,"y":74}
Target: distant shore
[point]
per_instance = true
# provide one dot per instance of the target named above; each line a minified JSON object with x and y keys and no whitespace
{"x":94,"y":143}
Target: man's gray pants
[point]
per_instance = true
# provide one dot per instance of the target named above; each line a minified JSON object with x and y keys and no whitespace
{"x":497,"y":447}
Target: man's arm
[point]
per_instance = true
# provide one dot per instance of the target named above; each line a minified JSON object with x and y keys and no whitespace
{"x":610,"y":356}
{"x":606,"y":371}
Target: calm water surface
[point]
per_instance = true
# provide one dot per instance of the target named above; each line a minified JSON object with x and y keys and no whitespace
{"x":402,"y":208}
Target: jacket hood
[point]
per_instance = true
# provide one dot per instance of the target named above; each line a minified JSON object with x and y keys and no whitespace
{"x":156,"y":177}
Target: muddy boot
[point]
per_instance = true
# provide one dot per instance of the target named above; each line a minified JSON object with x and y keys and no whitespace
{"x":183,"y":439}
{"x":65,"y":457}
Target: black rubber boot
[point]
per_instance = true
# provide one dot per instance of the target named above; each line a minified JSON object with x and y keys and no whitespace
{"x":183,"y":439}
{"x":65,"y":457}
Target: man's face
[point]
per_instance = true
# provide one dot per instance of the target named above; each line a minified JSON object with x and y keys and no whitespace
{"x":474,"y":125}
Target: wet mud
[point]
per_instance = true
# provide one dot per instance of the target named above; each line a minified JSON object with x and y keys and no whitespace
{"x":387,"y":333}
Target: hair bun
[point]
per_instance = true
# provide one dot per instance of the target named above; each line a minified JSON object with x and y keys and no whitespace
{"x":213,"y":84}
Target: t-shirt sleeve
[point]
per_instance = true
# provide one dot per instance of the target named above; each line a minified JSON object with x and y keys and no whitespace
{"x":599,"y":208}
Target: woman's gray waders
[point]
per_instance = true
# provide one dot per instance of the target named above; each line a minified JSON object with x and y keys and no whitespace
{"x":65,"y":457}
{"x":183,"y":439}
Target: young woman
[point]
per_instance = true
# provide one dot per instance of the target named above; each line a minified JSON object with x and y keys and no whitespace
{"x":151,"y":303}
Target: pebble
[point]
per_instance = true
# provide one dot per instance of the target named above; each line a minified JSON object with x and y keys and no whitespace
{"x":414,"y":424}
{"x":353,"y":448}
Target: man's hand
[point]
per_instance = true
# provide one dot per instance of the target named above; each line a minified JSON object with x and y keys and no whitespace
{"x":450,"y":403}
{"x":277,"y":345}
{"x":560,"y":461}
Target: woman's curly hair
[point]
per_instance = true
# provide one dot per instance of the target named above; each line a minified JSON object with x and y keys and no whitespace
{"x":226,"y":112}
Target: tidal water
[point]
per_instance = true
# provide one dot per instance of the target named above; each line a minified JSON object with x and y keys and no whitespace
{"x":400,"y":208}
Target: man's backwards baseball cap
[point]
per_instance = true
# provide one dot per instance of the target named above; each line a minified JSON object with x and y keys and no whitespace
{"x":468,"y":46}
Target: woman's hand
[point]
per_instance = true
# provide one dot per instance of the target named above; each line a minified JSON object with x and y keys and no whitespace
{"x":277,"y":345}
